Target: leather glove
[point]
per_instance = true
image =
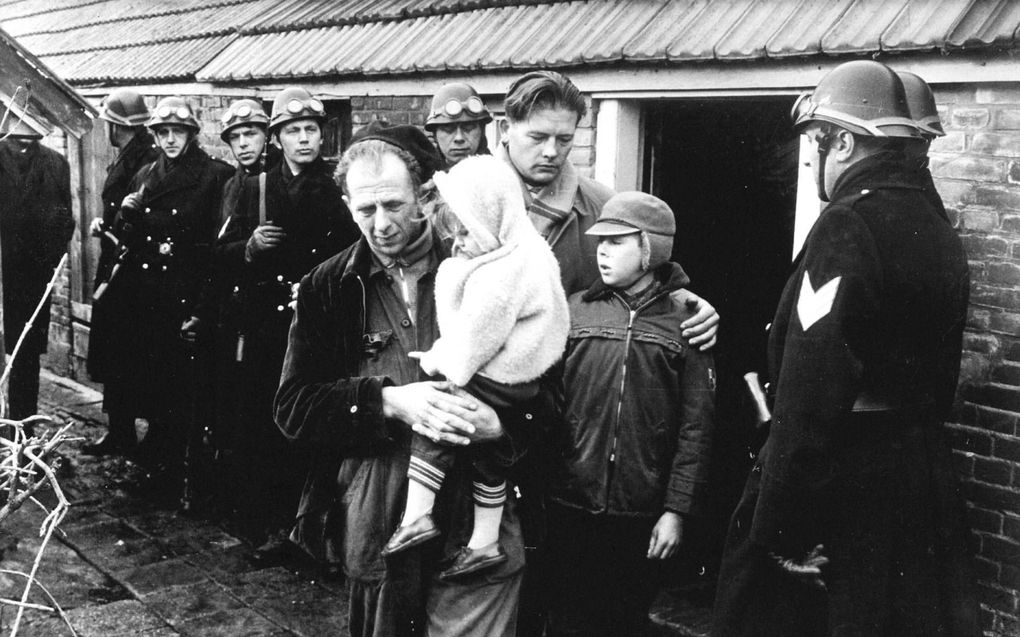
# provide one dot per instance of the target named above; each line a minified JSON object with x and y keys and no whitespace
{"x":266,"y":237}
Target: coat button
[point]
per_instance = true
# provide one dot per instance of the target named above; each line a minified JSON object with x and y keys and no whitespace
{"x":354,"y":409}
{"x":865,"y":191}
{"x":148,"y":210}
{"x":528,"y":416}
{"x":314,"y":250}
{"x":164,"y":268}
{"x":174,"y":211}
{"x":145,"y":266}
{"x":406,"y":322}
{"x":280,"y":308}
{"x":279,"y":277}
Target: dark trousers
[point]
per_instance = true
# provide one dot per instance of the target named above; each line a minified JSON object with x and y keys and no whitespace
{"x":601,"y":583}
{"x":23,"y":393}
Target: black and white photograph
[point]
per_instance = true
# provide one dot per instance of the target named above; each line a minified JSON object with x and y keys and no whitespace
{"x":510,"y":318}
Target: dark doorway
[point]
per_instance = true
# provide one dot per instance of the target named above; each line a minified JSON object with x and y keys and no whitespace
{"x":728,"y":169}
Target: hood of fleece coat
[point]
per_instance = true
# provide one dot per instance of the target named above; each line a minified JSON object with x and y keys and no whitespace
{"x":485,"y":195}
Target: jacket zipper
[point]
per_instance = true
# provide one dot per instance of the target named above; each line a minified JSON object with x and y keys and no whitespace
{"x":619,"y":403}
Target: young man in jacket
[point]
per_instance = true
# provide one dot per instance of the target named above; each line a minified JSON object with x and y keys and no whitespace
{"x":631,"y":458}
{"x":543,"y":110}
{"x":850,"y":522}
{"x":284,"y":224}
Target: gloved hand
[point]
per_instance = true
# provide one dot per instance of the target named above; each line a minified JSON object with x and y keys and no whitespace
{"x":266,"y":237}
{"x":191,"y":329}
{"x":807,"y":570}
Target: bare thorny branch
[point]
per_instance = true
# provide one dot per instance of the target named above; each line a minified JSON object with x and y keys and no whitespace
{"x":25,"y":469}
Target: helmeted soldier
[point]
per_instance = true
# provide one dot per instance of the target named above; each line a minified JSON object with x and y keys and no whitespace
{"x":156,"y":301}
{"x":125,"y":114}
{"x":35,"y":225}
{"x":245,"y":131}
{"x":457,"y":122}
{"x":286,"y":221}
{"x":850,"y":522}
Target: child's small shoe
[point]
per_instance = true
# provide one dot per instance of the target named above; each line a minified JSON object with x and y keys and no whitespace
{"x":418,"y":532}
{"x":470,"y":561}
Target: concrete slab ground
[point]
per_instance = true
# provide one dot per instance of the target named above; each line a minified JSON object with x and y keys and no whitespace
{"x":127,"y":564}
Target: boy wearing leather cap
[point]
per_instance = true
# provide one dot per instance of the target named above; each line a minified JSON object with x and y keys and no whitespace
{"x":630,"y":463}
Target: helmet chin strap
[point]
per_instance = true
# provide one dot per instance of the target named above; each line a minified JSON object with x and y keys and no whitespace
{"x":823,"y":152}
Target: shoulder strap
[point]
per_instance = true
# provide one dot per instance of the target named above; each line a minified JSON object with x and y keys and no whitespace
{"x":262,"y":198}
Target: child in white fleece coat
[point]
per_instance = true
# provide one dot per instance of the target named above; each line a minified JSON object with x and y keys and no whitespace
{"x":503,"y":322}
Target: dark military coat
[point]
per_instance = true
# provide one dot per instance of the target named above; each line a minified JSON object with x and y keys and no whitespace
{"x":310,"y":209}
{"x":35,"y":226}
{"x":138,"y":152}
{"x":864,"y":354}
{"x":164,"y":278}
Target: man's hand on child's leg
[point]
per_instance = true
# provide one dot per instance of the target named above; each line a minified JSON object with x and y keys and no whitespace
{"x":666,"y":536}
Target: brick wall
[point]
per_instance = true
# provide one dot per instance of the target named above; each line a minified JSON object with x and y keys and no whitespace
{"x":977,"y":171}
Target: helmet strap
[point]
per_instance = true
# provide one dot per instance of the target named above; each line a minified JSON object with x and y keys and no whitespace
{"x":823,"y":152}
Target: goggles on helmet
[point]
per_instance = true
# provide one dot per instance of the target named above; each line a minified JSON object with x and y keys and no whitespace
{"x":453,"y":108}
{"x":243,"y":112}
{"x":295,"y":106}
{"x":182,"y":112}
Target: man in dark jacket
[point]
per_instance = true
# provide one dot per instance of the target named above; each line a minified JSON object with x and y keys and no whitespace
{"x":850,"y":522}
{"x":35,"y":226}
{"x":244,"y":130}
{"x":349,"y":389}
{"x":543,"y":110}
{"x":125,"y":114}
{"x":284,"y":224}
{"x":157,"y":301}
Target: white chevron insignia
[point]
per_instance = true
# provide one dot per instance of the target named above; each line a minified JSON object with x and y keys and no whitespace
{"x":814,"y":305}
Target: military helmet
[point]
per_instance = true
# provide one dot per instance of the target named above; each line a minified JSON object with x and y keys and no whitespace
{"x":246,"y":112}
{"x":295,"y":103}
{"x":126,"y":107}
{"x":455,"y":103}
{"x":174,"y":110}
{"x":921,"y":102}
{"x":864,"y":97}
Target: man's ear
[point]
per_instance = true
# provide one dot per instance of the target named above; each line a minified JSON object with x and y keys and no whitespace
{"x":843,"y":145}
{"x":347,"y":201}
{"x":504,"y":126}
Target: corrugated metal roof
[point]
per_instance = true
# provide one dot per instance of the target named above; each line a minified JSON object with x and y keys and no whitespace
{"x":860,"y":28}
{"x":989,"y":22}
{"x":274,"y":39}
{"x":167,"y":61}
{"x":924,"y":24}
{"x":203,"y":22}
{"x":802,"y":32}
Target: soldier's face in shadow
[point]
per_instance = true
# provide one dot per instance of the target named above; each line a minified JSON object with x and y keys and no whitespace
{"x":173,"y":139}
